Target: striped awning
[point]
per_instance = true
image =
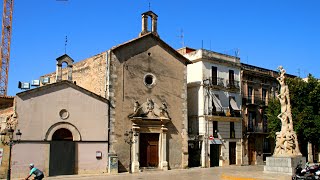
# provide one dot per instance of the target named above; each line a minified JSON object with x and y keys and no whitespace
{"x":234,"y":105}
{"x":217,"y":103}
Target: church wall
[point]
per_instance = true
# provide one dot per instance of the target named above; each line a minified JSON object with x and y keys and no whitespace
{"x":41,"y":110}
{"x":128,"y":86}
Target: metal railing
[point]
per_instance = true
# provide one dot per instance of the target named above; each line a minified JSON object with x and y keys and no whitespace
{"x":233,"y":84}
{"x":257,"y":128}
{"x":215,"y":81}
{"x":255,"y":100}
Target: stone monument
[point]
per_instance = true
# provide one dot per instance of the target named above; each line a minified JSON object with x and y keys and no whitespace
{"x":286,"y":154}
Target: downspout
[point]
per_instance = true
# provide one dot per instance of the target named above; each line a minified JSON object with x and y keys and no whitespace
{"x":107,"y":93}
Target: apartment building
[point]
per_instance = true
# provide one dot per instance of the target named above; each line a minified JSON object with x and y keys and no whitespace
{"x":214,"y":108}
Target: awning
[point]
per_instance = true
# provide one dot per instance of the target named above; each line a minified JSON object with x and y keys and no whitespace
{"x":234,"y":105}
{"x":215,"y":141}
{"x":217,"y":103}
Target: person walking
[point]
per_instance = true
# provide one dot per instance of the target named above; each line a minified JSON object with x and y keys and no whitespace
{"x":35,"y":171}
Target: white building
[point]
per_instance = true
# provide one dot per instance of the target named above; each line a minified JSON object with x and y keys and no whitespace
{"x":214,"y":108}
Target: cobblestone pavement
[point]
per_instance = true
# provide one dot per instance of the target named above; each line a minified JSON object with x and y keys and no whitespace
{"x":215,"y":173}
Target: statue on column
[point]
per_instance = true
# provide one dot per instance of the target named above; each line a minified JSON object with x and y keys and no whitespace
{"x":286,"y":139}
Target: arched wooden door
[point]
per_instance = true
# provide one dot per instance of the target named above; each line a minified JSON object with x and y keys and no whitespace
{"x":62,"y":153}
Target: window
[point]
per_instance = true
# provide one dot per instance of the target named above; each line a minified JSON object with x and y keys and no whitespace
{"x":231,"y":78}
{"x":214,"y":75}
{"x":265,"y":122}
{"x":232,"y":131}
{"x":264,"y":94}
{"x":250,"y":90}
{"x":215,"y":129}
{"x":149,"y":80}
{"x":251,"y":120}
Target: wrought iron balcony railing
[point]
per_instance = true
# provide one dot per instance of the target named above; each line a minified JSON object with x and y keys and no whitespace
{"x":215,"y":82}
{"x":233,"y":84}
{"x":255,"y":100}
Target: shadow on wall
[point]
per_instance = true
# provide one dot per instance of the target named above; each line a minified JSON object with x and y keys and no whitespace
{"x":171,"y":130}
{"x":121,"y":167}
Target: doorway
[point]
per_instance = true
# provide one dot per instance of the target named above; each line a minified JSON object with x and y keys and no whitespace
{"x":149,"y":149}
{"x":232,"y":153}
{"x":214,"y":155}
{"x":252,"y":152}
{"x":62,"y":153}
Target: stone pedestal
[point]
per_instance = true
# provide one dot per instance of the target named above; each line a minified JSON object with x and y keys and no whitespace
{"x":285,"y":165}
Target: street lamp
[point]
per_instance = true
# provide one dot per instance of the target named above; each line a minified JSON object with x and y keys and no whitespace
{"x":10,"y":142}
{"x":129,"y":139}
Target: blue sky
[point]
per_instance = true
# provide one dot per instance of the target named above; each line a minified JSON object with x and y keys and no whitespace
{"x":268,"y":33}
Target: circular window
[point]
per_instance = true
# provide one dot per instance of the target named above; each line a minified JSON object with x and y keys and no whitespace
{"x":64,"y":114}
{"x":149,"y":80}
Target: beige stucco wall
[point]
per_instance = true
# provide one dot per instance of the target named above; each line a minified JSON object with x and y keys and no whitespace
{"x":25,"y":153}
{"x":86,"y":161}
{"x":39,"y":111}
{"x":38,"y":153}
{"x":128,"y":87}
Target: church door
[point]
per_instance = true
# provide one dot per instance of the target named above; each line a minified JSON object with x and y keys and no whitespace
{"x":149,"y":149}
{"x":62,"y":153}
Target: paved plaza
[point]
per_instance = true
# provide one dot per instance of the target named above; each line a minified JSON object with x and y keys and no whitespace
{"x":215,"y":173}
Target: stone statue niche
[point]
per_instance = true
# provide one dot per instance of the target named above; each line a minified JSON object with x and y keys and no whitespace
{"x":286,"y":140}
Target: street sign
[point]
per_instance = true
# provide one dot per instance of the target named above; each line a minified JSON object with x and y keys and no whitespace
{"x":211,"y":137}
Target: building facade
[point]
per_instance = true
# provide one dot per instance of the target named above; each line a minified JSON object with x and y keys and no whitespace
{"x":64,"y":127}
{"x":214,"y":108}
{"x":145,"y":81}
{"x":258,"y":86}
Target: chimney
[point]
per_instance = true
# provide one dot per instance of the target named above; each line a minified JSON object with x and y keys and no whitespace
{"x":154,"y":19}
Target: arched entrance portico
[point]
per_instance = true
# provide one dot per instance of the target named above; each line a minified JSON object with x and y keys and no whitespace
{"x":62,"y":153}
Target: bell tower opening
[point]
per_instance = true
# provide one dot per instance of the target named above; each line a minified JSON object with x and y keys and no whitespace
{"x":153,"y":20}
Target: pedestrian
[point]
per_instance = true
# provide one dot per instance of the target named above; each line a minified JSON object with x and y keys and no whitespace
{"x":35,"y":171}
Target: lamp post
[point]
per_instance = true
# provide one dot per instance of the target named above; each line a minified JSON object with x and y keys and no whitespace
{"x":129,"y":139}
{"x":10,"y":143}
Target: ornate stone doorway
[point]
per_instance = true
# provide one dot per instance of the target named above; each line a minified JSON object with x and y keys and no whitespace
{"x":150,"y":121}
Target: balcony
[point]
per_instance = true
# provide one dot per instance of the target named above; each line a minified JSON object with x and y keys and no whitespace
{"x":234,"y":85}
{"x":214,"y":82}
{"x":256,"y":129}
{"x":222,"y":112}
{"x":251,"y":100}
{"x":225,"y":111}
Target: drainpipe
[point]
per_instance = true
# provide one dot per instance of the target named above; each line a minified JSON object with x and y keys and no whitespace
{"x":107,"y":93}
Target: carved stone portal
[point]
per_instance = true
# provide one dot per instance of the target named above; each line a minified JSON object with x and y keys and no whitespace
{"x":149,"y":117}
{"x":150,"y":111}
{"x":286,"y":140}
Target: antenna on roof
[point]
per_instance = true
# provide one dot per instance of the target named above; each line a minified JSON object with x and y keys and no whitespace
{"x":181,"y":36}
{"x":237,"y":52}
{"x":65,"y":45}
{"x":149,"y":6}
{"x":201,"y":44}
